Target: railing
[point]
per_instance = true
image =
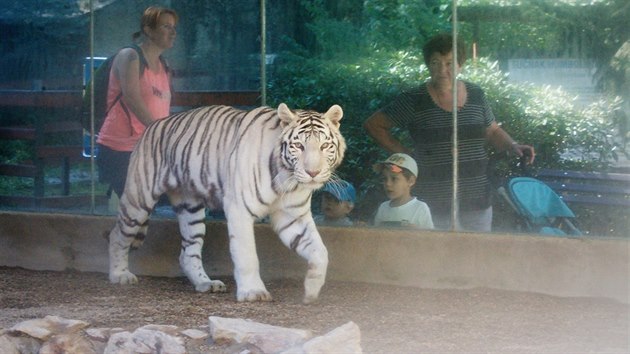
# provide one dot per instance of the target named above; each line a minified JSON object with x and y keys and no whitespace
{"x":44,"y":155}
{"x":70,"y":151}
{"x":72,"y":99}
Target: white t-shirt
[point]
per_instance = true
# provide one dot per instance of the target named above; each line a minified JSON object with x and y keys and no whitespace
{"x":413,"y":212}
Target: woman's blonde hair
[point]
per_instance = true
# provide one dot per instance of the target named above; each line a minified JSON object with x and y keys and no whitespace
{"x":150,"y":18}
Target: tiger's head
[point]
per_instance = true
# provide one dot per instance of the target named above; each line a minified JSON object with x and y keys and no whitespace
{"x":311,"y":144}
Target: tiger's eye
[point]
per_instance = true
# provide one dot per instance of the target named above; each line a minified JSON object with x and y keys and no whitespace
{"x":325,"y":146}
{"x":299,"y":146}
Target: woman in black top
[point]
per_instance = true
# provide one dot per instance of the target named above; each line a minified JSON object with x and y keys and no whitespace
{"x":426,"y":112}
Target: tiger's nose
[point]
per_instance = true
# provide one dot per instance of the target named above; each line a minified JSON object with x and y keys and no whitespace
{"x":313,"y":173}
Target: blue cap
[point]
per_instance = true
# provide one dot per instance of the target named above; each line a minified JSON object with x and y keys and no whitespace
{"x":341,"y":190}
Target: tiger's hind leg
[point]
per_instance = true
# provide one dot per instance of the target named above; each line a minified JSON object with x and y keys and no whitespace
{"x":128,"y":233}
{"x":191,"y":218}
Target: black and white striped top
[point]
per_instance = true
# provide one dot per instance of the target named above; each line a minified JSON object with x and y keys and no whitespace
{"x":431,"y":129}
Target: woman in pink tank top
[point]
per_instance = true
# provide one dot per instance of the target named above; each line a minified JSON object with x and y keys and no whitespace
{"x":138,"y":94}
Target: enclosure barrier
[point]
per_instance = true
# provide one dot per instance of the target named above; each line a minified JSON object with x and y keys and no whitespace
{"x":559,"y":266}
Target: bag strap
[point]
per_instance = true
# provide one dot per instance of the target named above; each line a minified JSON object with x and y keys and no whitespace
{"x":143,"y":60}
{"x":143,"y":66}
{"x":118,"y":97}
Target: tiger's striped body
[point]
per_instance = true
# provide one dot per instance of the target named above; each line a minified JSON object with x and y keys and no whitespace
{"x":251,"y":164}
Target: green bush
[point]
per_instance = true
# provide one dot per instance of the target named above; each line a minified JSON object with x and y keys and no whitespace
{"x":564,"y":136}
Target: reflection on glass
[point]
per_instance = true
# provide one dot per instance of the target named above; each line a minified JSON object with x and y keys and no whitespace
{"x":337,"y":199}
{"x":566,"y":93}
{"x":426,"y":111}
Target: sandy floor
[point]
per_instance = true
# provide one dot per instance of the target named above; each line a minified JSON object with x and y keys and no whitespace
{"x":391,"y":319}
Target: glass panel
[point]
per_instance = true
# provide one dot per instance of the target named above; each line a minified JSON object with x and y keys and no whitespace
{"x":549,"y":83}
{"x":45,"y":154}
{"x":363,"y":55}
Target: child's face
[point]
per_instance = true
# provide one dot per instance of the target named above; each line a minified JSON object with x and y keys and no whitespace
{"x":396,"y":185}
{"x":332,"y":208}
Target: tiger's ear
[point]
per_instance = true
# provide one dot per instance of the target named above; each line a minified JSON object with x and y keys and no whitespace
{"x":285,"y":114}
{"x":335,"y":113}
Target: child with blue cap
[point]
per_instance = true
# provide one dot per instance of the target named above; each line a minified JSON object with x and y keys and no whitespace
{"x":337,"y":201}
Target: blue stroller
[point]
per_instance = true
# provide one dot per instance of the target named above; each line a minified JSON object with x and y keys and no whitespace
{"x":540,"y":208}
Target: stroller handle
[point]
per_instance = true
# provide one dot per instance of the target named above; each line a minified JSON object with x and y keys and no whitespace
{"x":522,"y":163}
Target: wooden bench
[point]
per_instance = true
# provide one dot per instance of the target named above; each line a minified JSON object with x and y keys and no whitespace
{"x":71,"y":150}
{"x":62,"y":155}
{"x":593,"y":188}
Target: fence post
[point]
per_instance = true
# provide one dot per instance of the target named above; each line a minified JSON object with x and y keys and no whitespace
{"x":38,"y":161}
{"x":65,"y":175}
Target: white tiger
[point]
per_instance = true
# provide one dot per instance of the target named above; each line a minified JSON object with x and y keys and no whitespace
{"x":253,"y":164}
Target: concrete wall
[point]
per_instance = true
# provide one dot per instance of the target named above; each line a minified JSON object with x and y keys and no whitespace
{"x":586,"y":267}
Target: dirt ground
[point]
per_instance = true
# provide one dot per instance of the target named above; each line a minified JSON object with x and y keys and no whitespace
{"x":391,"y":319}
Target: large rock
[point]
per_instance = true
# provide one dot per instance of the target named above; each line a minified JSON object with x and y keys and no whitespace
{"x":7,"y":346}
{"x":266,"y":338}
{"x":73,"y":343}
{"x":195,"y":334}
{"x":344,"y":339}
{"x":143,"y":341}
{"x":253,"y":337}
{"x":52,"y":335}
{"x":12,"y":342}
{"x":44,"y":328}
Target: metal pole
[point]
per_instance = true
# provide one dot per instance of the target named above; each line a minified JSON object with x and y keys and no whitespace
{"x":92,"y":140}
{"x":263,"y":53}
{"x":455,"y":202}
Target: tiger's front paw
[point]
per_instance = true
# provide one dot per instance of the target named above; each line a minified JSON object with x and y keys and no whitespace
{"x":253,"y":295}
{"x":125,"y":277}
{"x":309,"y":299}
{"x":214,"y":286}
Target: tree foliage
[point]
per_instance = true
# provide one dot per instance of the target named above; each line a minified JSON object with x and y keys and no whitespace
{"x":370,"y":51}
